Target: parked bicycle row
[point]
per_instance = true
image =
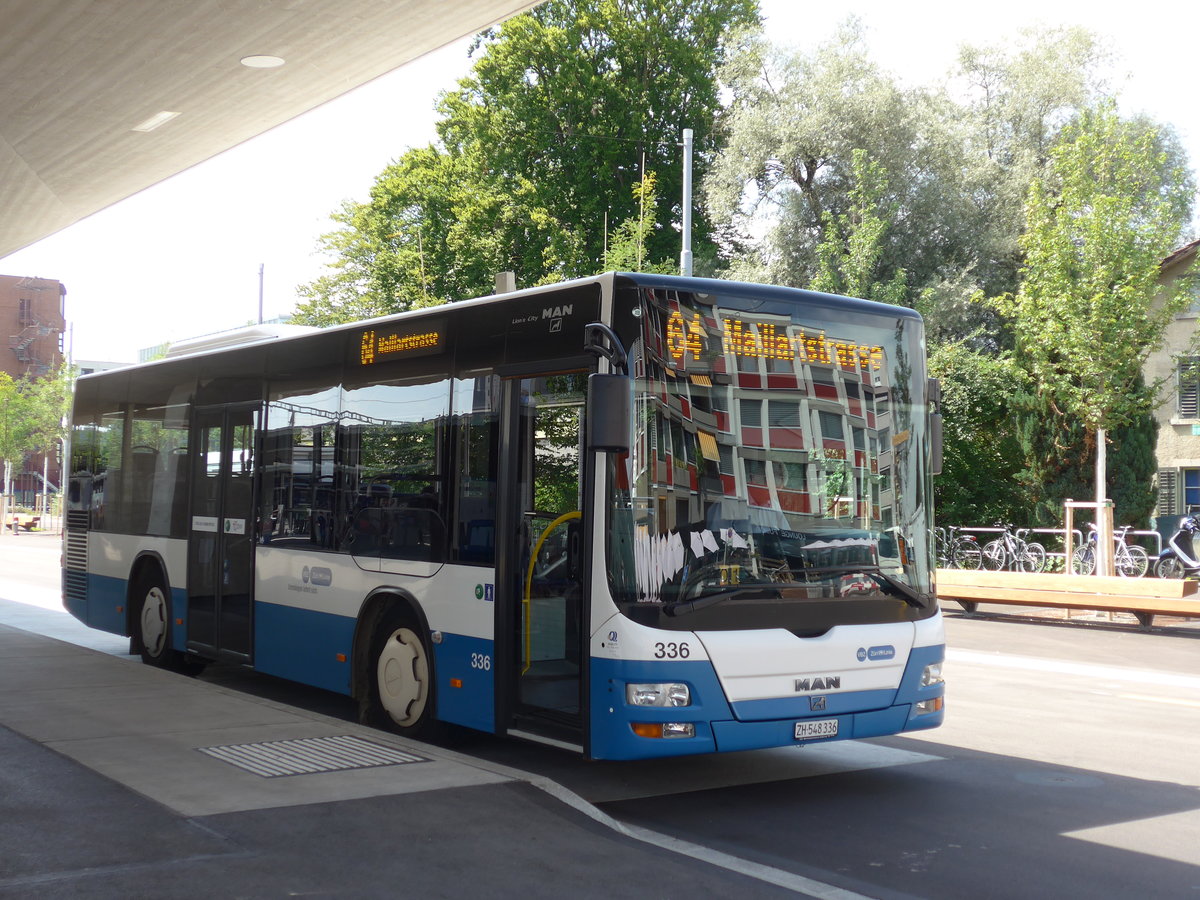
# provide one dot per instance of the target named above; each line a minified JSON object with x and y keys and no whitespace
{"x":1013,"y":551}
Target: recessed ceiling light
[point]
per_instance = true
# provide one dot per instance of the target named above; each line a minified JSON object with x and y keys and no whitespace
{"x":262,"y":62}
{"x":159,"y":118}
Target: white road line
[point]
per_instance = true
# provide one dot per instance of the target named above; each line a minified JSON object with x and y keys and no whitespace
{"x":1170,"y":701}
{"x":758,"y":871}
{"x":1062,"y":667}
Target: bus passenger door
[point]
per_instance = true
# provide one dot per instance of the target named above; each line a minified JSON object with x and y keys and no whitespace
{"x":221,"y":534}
{"x":541,"y":577}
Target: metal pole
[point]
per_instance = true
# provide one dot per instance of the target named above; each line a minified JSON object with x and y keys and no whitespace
{"x":685,"y":257}
{"x":1104,"y":534}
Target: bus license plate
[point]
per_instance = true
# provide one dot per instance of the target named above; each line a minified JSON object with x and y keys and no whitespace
{"x":818,"y":728}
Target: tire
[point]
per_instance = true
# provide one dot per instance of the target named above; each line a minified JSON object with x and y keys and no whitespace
{"x":993,"y":556}
{"x":1083,"y":560}
{"x":1032,"y":558}
{"x":152,"y":627}
{"x":152,"y":630}
{"x":1134,"y":563}
{"x":966,"y":555}
{"x":1169,"y":567}
{"x":402,"y":678}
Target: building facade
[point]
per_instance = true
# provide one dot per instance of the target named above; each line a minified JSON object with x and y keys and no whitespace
{"x":33,"y":320}
{"x":1176,"y":366}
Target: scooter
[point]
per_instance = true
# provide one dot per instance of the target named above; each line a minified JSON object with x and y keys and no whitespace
{"x":1178,"y":559}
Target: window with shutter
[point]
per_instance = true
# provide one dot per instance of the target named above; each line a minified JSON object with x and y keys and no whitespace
{"x":1188,"y":374}
{"x":1168,"y":482}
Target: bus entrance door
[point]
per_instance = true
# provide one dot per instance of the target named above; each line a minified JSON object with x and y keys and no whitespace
{"x":545,"y":491}
{"x":221,"y":548}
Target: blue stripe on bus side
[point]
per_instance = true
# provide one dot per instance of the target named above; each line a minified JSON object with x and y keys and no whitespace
{"x":303,"y":645}
{"x":466,"y":681}
{"x":106,"y":599}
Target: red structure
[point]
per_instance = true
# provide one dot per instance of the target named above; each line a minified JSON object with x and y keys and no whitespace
{"x":32,"y":320}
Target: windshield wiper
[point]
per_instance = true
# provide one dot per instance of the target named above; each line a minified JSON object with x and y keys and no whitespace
{"x":897,"y":588}
{"x":744,"y":591}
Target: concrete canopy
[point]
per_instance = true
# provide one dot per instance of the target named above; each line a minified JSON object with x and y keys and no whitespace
{"x":78,"y":76}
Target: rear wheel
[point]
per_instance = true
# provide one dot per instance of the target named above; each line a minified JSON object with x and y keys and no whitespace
{"x":152,"y":623}
{"x":152,"y":629}
{"x":993,"y":555}
{"x":402,"y":691}
{"x":1134,"y":562}
{"x":1083,"y":560}
{"x":1169,"y":567}
{"x":967,"y":554}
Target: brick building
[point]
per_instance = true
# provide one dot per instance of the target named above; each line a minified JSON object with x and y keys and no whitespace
{"x":32,"y":320}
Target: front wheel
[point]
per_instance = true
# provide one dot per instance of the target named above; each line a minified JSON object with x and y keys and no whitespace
{"x":1169,"y":567}
{"x":402,"y":690}
{"x":993,"y":556}
{"x":1032,"y":558}
{"x":1133,"y":562}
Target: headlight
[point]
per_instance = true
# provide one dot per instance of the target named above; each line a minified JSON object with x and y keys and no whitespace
{"x":658,"y":695}
{"x":932,"y":675}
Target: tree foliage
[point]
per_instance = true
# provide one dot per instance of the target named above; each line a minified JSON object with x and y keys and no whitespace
{"x":848,"y":255}
{"x":982,"y":457}
{"x":566,"y":110}
{"x":955,"y":166}
{"x":1111,"y":206}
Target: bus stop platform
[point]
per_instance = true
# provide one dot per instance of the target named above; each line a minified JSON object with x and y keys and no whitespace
{"x":119,"y":779}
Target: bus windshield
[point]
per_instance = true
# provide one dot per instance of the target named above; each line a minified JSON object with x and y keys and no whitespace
{"x":778,"y":472}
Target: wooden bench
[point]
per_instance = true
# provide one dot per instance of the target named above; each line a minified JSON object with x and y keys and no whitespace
{"x":1145,"y":598}
{"x":24,"y":523}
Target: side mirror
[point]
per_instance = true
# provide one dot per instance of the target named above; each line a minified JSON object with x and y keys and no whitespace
{"x":608,"y":413}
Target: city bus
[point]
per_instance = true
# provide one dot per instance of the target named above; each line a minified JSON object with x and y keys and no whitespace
{"x":631,"y":515}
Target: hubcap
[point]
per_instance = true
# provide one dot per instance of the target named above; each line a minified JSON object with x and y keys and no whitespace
{"x":402,"y":674}
{"x":154,"y":622}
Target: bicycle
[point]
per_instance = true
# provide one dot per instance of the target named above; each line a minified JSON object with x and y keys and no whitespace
{"x":1129,"y":560}
{"x":955,"y":551}
{"x":1013,"y":552}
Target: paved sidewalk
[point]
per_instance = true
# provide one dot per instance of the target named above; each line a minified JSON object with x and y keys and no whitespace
{"x":110,"y":786}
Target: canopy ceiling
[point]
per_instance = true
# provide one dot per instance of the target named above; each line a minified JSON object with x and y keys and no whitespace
{"x":77,"y":76}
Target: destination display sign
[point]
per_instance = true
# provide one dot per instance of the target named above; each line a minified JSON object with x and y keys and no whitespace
{"x":688,"y":338}
{"x":378,"y":345}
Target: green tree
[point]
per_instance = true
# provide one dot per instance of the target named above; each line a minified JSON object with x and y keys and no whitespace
{"x":629,"y":243}
{"x":848,"y":255}
{"x":1110,"y":207}
{"x":567,"y":108}
{"x":982,"y":452}
{"x":953,"y":168}
{"x":48,"y":408}
{"x":1057,"y":462}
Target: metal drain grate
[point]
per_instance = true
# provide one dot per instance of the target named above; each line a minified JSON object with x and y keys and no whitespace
{"x":307,"y":756}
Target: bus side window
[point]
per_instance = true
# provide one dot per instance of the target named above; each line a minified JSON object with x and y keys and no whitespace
{"x":476,"y":451}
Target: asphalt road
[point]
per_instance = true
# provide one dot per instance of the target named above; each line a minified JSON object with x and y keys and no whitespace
{"x":1068,"y":767}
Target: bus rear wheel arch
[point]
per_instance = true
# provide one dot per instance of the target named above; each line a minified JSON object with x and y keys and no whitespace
{"x":150,"y":622}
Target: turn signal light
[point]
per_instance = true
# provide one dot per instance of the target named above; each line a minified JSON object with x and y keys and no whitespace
{"x":663,"y":729}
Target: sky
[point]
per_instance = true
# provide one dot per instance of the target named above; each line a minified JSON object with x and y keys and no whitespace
{"x":181,"y":259}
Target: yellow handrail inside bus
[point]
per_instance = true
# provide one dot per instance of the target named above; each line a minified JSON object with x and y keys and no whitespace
{"x":537,"y":548}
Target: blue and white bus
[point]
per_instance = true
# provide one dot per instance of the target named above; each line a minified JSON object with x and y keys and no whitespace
{"x":634,"y":515}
